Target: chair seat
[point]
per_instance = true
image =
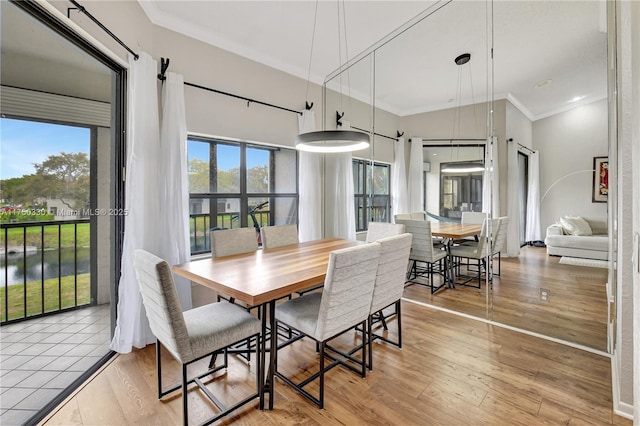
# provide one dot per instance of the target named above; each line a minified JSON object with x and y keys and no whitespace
{"x":467,"y":251}
{"x":216,"y":326}
{"x":301,"y":313}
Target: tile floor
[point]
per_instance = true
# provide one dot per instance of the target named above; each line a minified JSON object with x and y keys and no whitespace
{"x":39,"y":358}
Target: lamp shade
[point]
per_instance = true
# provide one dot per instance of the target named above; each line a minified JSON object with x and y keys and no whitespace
{"x":332,"y":141}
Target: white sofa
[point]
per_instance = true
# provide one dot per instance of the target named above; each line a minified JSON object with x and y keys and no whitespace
{"x":596,"y":246}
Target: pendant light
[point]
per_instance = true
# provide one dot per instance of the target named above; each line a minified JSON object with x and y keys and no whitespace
{"x":331,"y":141}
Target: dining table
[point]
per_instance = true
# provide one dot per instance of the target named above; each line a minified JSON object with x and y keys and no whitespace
{"x":262,"y":277}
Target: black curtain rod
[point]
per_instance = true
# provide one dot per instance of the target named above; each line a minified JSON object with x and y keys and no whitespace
{"x":164,"y":64}
{"x":452,"y":140}
{"x":522,"y":146}
{"x":249,"y":100}
{"x":377,"y":134}
{"x":98,"y":23}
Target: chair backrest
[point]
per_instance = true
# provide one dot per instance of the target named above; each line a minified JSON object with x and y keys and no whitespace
{"x":422,"y":243}
{"x":500,"y":235}
{"x":392,"y":268}
{"x":161,"y":303}
{"x":377,"y":230}
{"x":277,"y":236}
{"x":482,"y":249}
{"x":348,"y":289}
{"x":410,"y":216}
{"x":227,"y":242}
{"x":473,"y":217}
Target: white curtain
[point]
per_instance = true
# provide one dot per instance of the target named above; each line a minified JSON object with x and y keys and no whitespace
{"x":142,"y":199}
{"x":416,"y":169}
{"x":513,"y":201}
{"x":174,"y":213}
{"x":399,"y":196}
{"x":340,"y":207}
{"x":533,"y":231}
{"x":491,"y":179}
{"x":309,"y":185}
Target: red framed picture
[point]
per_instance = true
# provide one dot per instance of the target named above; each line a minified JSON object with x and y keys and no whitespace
{"x":600,"y":179}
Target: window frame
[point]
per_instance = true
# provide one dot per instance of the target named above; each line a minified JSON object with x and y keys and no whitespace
{"x":366,"y":197}
{"x":243,"y":196}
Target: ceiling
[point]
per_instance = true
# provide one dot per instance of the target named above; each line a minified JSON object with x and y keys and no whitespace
{"x":562,"y":43}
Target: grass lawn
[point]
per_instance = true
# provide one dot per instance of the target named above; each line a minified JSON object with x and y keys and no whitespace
{"x":34,"y":236}
{"x":52,"y":301}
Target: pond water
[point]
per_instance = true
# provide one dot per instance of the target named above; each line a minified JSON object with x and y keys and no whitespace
{"x":14,"y":270}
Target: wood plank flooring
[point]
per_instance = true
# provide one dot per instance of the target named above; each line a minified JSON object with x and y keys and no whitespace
{"x":451,"y":371}
{"x":576,"y":310}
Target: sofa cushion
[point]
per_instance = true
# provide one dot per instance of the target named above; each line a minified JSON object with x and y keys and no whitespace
{"x":597,"y":243}
{"x":575,"y":225}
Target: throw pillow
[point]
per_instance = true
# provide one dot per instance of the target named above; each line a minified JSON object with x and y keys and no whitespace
{"x":575,"y":225}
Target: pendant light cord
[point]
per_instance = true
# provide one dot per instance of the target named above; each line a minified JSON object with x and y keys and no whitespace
{"x":313,"y":37}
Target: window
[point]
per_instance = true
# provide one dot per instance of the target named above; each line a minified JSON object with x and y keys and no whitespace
{"x":235,"y":184}
{"x":460,"y":188}
{"x":371,"y":182}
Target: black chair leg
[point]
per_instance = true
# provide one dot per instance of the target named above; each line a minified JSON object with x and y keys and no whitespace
{"x":185,"y":400}
{"x":321,"y":399}
{"x":399,"y":320}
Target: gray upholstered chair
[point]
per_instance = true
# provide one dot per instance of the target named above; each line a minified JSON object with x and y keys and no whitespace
{"x":475,"y":218}
{"x":499,"y":239}
{"x":278,"y":236}
{"x":423,"y":251}
{"x":410,"y":216}
{"x":345,"y":302}
{"x":377,"y":230}
{"x":389,"y":286}
{"x":227,"y":242}
{"x":191,"y":335}
{"x":475,"y":252}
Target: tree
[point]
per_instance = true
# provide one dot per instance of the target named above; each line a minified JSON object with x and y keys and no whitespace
{"x":258,"y":179}
{"x":65,"y":176}
{"x":198,"y":176}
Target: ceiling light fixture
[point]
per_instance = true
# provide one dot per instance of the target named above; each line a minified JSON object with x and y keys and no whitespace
{"x":577,"y":98}
{"x":331,"y":141}
{"x":463,"y":168}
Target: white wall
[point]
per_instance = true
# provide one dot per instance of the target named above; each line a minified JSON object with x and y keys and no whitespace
{"x":567,"y":143}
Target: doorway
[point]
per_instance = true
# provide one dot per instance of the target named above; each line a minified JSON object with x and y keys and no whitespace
{"x":67,"y":86}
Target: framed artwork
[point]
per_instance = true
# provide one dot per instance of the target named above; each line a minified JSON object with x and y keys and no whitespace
{"x":600,"y":179}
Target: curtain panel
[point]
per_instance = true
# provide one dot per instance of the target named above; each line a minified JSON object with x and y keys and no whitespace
{"x":142,"y":199}
{"x":309,"y":185}
{"x":399,"y":195}
{"x":173,"y":227}
{"x":416,"y":169}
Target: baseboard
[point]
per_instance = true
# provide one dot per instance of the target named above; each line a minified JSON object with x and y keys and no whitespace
{"x":620,"y":408}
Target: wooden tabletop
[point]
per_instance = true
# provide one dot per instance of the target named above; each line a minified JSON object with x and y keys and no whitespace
{"x":265,"y":275}
{"x":455,"y":230}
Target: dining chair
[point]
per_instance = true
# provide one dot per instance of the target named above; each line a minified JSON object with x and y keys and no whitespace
{"x":424,"y":251}
{"x":278,"y":236}
{"x":344,"y":303}
{"x":191,"y":335}
{"x":499,"y":239}
{"x":377,"y":230}
{"x":389,"y":286}
{"x":477,"y":252}
{"x":410,"y":216}
{"x":229,"y":242}
{"x":475,"y":218}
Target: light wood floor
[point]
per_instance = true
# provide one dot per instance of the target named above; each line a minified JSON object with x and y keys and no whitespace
{"x":451,"y":371}
{"x":576,"y":310}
